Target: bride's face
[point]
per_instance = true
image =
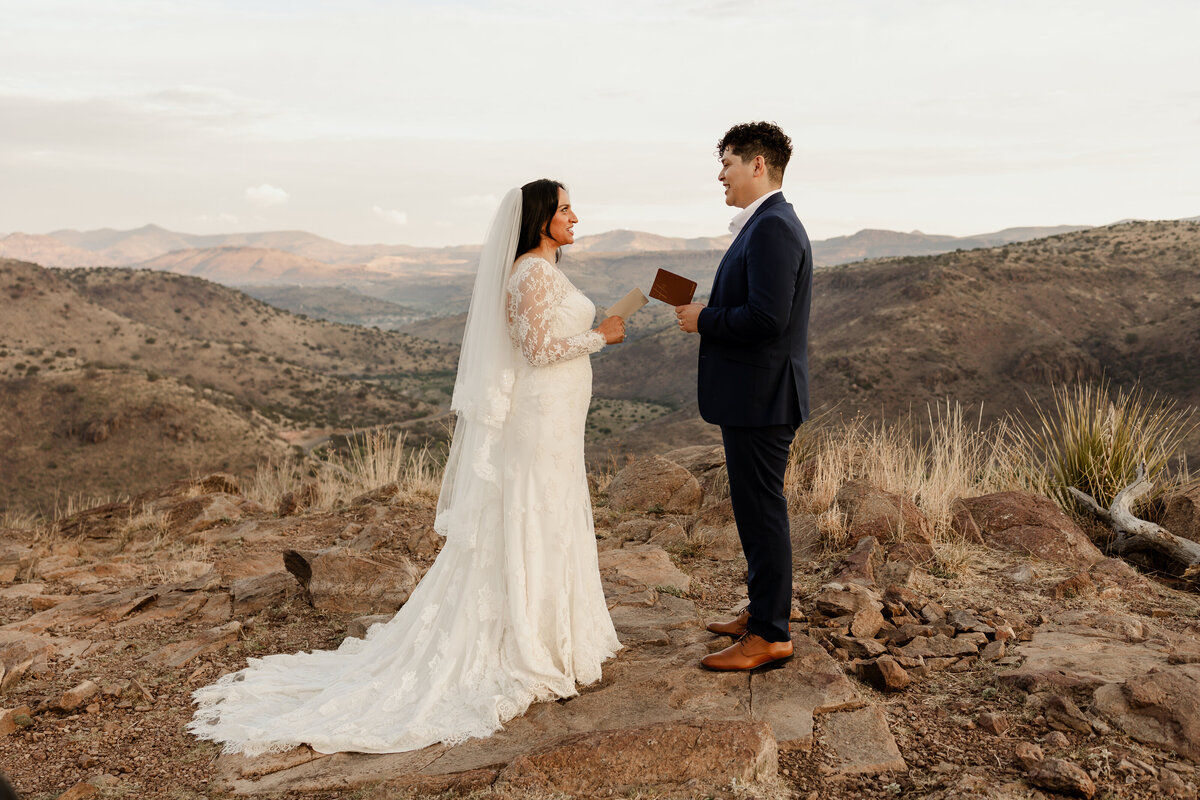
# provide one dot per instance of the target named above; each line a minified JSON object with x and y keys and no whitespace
{"x":562,"y":224}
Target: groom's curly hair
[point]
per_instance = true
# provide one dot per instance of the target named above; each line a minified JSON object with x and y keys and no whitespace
{"x":766,"y":139}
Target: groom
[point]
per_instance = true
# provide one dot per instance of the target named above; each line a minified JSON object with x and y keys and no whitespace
{"x":753,"y":378}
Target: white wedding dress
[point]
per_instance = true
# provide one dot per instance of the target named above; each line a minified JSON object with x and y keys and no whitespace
{"x":511,"y":612}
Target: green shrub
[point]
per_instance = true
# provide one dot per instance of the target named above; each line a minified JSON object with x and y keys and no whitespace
{"x":1093,"y":440}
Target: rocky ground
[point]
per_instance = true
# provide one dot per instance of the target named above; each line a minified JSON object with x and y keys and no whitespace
{"x":1043,"y":669}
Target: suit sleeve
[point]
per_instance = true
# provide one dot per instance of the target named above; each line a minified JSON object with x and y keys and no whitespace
{"x":774,"y":258}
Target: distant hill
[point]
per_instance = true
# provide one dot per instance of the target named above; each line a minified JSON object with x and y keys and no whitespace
{"x":625,"y":241}
{"x":990,"y":327}
{"x":337,"y":304}
{"x":244,"y":266}
{"x":46,"y":250}
{"x":882,"y":244}
{"x":152,"y":352}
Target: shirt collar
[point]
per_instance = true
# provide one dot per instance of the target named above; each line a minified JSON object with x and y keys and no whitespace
{"x":743,"y":216}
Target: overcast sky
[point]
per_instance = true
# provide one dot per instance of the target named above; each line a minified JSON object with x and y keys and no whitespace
{"x":401,"y":122}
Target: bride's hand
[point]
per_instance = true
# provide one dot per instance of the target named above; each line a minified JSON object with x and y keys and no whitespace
{"x":612,"y":329}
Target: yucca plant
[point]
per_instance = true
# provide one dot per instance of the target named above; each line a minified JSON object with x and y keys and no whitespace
{"x":1093,"y":440}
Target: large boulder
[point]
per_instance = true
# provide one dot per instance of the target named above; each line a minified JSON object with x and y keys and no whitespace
{"x":657,"y":485}
{"x":1160,"y":708}
{"x":1030,"y":525}
{"x":894,"y":521}
{"x":647,"y":564}
{"x":699,"y":754}
{"x":1182,"y":512}
{"x":706,"y":463}
{"x":344,"y":580}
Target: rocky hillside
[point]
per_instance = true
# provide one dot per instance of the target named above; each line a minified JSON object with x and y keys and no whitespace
{"x":1060,"y":674}
{"x":993,"y":327}
{"x":161,"y":358}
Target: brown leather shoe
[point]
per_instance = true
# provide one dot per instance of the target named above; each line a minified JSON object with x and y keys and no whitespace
{"x":735,"y":627}
{"x":748,"y":652}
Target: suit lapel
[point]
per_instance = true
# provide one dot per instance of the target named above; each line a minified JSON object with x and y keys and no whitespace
{"x":737,"y":240}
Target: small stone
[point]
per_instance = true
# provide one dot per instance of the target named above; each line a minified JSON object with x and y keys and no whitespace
{"x":1062,"y":776}
{"x":866,"y":623}
{"x":1056,"y":740}
{"x":74,"y":698}
{"x":1028,"y":754}
{"x":79,"y":791}
{"x":992,"y":651}
{"x":1063,"y":715}
{"x":13,"y":719}
{"x":1004,"y":633}
{"x":996,"y":724}
{"x":886,"y":675}
{"x":932,"y":612}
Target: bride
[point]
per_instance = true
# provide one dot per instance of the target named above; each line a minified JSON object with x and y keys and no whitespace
{"x":512,"y":610}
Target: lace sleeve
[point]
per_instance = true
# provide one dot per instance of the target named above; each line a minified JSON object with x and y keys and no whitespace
{"x":533,"y":293}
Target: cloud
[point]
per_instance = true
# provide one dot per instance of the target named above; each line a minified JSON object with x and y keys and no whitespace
{"x":391,"y":215}
{"x":266,"y":195}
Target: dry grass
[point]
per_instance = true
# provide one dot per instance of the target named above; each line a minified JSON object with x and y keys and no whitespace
{"x":956,"y":458}
{"x":378,"y":460}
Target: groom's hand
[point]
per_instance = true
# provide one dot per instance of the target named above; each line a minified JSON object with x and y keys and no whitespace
{"x":688,"y":316}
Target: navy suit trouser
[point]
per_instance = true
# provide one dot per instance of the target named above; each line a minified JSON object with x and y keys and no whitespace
{"x":756,"y":458}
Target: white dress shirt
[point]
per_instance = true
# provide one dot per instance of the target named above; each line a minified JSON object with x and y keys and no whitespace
{"x":743,"y":216}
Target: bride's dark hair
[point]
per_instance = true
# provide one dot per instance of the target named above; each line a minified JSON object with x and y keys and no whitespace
{"x":539,"y":204}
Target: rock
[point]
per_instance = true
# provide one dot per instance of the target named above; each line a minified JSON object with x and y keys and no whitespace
{"x":906,"y":633}
{"x":932,"y":612}
{"x":847,"y":601}
{"x":940,"y":646}
{"x":78,"y":696}
{"x":1029,"y":524}
{"x":1078,"y":585}
{"x":178,"y":654}
{"x":805,"y":532}
{"x":251,"y":595}
{"x":456,"y":784}
{"x":860,"y":564}
{"x":962,"y":524}
{"x":1056,"y":740}
{"x":992,"y":651}
{"x":1076,"y":659}
{"x":19,"y":652}
{"x":1062,"y":776}
{"x":967,"y":622}
{"x":380,"y":495}
{"x":359,"y":626}
{"x":79,"y":791}
{"x":1116,"y":575}
{"x":1063,"y":715}
{"x":860,"y":648}
{"x":647,"y":564}
{"x":190,"y":515}
{"x":866,"y":623}
{"x":893,"y":520}
{"x":655,"y":484}
{"x":859,"y":742}
{"x":638,"y":530}
{"x":1181,"y":512}
{"x":886,"y":675}
{"x":346,"y":581}
{"x":1160,"y":708}
{"x":1029,"y":755}
{"x":710,"y":753}
{"x":13,"y":719}
{"x":808,"y":685}
{"x":896,"y":573}
{"x":706,"y":463}
{"x":996,"y":724}
{"x":1021,"y":573}
{"x":668,"y":534}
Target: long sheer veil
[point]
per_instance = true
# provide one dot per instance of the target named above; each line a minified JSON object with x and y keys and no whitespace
{"x":483,"y":387}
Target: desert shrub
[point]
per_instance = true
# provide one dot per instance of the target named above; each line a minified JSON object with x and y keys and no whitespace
{"x":1093,"y":440}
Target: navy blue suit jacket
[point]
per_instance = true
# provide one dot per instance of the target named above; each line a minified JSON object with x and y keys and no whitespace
{"x":754,"y":333}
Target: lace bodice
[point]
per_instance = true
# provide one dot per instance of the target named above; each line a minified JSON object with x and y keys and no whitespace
{"x":548,"y":318}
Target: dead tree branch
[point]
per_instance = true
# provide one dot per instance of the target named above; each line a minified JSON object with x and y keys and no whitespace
{"x":1135,"y":535}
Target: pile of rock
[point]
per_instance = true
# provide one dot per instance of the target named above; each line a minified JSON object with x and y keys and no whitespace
{"x":891,"y":638}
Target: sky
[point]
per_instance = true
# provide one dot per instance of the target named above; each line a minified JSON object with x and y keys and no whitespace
{"x":403,"y":122}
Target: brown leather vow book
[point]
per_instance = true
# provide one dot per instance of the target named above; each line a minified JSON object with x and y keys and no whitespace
{"x":672,"y":289}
